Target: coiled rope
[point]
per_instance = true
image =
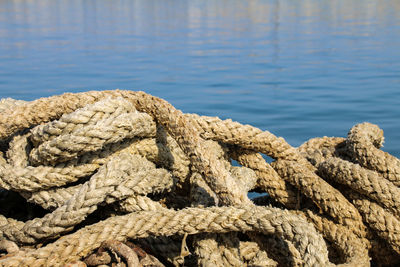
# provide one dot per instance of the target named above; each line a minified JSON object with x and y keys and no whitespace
{"x":111,"y":166}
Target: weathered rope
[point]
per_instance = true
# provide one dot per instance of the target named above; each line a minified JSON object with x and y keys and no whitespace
{"x":363,"y":181}
{"x":363,"y":142}
{"x":268,"y":180}
{"x":105,"y":110}
{"x":324,"y":195}
{"x":251,"y":252}
{"x":381,"y":221}
{"x":89,"y":157}
{"x":113,"y":181}
{"x":168,"y":222}
{"x":93,"y":137}
{"x":354,"y":252}
{"x":282,"y":251}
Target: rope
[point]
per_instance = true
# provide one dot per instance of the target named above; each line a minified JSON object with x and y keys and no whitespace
{"x":108,"y":166}
{"x":169,"y":222}
{"x":364,"y":141}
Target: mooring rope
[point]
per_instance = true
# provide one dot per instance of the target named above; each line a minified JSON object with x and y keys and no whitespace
{"x":111,"y":166}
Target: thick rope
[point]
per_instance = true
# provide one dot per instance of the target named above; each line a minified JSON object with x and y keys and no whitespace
{"x":93,"y":137}
{"x":78,"y":153}
{"x":8,"y":103}
{"x":363,"y":181}
{"x":355,"y":253}
{"x":211,"y":249}
{"x":251,"y":252}
{"x":269,"y":180}
{"x":169,"y":222}
{"x":324,"y":195}
{"x":113,"y":181}
{"x":105,"y":110}
{"x":363,"y":142}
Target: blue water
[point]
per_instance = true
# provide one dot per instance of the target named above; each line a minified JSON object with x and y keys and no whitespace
{"x":299,"y":69}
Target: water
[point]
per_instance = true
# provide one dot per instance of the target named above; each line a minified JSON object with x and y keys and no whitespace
{"x":299,"y":69}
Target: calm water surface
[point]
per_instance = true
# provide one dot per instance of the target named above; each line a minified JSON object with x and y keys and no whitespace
{"x":299,"y":69}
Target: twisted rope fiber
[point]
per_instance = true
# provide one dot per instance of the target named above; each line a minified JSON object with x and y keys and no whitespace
{"x":367,"y":182}
{"x":175,"y":122}
{"x":269,"y":180}
{"x":278,"y":147}
{"x":281,"y":250}
{"x":317,"y":150}
{"x":363,"y":181}
{"x":363,"y":142}
{"x":176,"y":141}
{"x":93,"y":137}
{"x":384,"y":223}
{"x":108,"y":109}
{"x":114,"y":180}
{"x":209,"y":252}
{"x":324,"y":195}
{"x":161,"y":110}
{"x":214,"y":249}
{"x":169,"y":222}
{"x":168,"y":155}
{"x":17,"y":152}
{"x":252,"y":138}
{"x":7,"y":103}
{"x":32,"y":179}
{"x":344,"y":239}
{"x":46,"y":177}
{"x":250,"y":251}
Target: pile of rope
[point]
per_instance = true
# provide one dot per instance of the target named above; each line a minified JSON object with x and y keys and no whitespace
{"x":123,"y":178}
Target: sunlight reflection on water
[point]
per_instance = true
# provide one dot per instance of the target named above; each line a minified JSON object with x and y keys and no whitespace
{"x":300,"y":69}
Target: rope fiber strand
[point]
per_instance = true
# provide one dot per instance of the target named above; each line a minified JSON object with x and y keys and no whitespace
{"x":122,"y":178}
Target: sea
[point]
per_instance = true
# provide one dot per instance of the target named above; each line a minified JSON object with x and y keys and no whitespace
{"x":299,"y":69}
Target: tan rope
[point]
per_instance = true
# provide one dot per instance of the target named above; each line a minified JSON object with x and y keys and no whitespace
{"x":17,"y":154}
{"x":93,"y":137}
{"x":105,"y":110}
{"x":324,"y":195}
{"x":245,"y":136}
{"x":168,"y":222}
{"x":113,"y":180}
{"x":384,"y":223}
{"x":26,"y":115}
{"x":119,"y":151}
{"x":212,"y":249}
{"x":284,"y":252}
{"x":363,"y":142}
{"x":363,"y":181}
{"x":268,"y":180}
{"x":319,"y":149}
{"x":166,"y":247}
{"x":354,"y":248}
{"x":8,"y":103}
{"x":251,"y":252}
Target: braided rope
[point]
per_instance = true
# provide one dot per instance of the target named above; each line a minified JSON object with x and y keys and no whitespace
{"x":363,"y":142}
{"x":113,"y":181}
{"x":268,"y":180}
{"x":354,"y":249}
{"x":107,"y":109}
{"x":169,"y":222}
{"x":17,"y":152}
{"x":363,"y":181}
{"x":324,"y":195}
{"x":93,"y":137}
{"x":216,"y":249}
{"x":111,"y":151}
{"x":384,"y":223}
{"x":251,"y":252}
